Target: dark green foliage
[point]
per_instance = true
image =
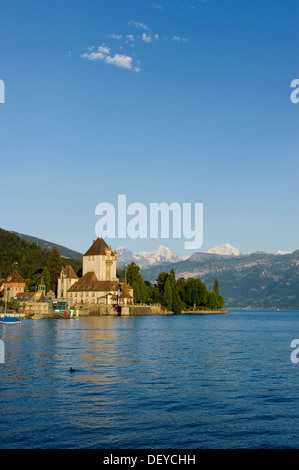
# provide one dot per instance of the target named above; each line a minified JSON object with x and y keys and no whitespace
{"x":190,"y":294}
{"x":177,"y":303}
{"x":167,"y":294}
{"x":28,"y":256}
{"x":143,"y":292}
{"x":54,"y":266}
{"x":255,"y":281}
{"x":34,"y":282}
{"x":216,"y":286}
{"x":47,"y":278}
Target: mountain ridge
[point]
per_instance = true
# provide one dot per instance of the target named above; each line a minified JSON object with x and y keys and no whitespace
{"x":64,"y":251}
{"x":256,"y":280}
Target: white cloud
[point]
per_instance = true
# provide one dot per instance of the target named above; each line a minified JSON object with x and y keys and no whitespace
{"x":158,"y":7}
{"x":119,"y":60}
{"x":115,"y":36}
{"x":146,"y":38}
{"x":131,"y":37}
{"x":122,"y":61}
{"x":93,"y":56}
{"x":138,"y":25}
{"x":178,"y":38}
{"x":104,"y":49}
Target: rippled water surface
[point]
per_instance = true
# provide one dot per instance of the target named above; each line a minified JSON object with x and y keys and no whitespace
{"x":186,"y":381}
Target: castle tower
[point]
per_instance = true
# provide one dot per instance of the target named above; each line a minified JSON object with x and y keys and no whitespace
{"x":101,"y":260}
{"x":67,"y":278}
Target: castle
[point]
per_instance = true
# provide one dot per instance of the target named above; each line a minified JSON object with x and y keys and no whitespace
{"x":98,"y":284}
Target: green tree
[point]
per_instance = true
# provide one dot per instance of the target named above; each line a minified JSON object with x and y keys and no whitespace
{"x":167,"y":295}
{"x":212,"y":301}
{"x":47,"y":278}
{"x":34,"y":282}
{"x":216,"y":286}
{"x":172,"y":279}
{"x":195,"y":294}
{"x":54,"y":267}
{"x":135,"y":279}
{"x":177,"y":303}
{"x":161,"y":281}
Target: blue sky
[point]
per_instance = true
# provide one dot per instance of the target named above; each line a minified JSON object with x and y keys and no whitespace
{"x":185,"y":101}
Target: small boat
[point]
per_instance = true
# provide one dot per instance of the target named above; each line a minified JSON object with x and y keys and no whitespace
{"x":10,"y":320}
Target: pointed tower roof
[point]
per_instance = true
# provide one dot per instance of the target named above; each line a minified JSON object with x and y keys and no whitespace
{"x":69,"y":272}
{"x":99,"y":247}
{"x":125,"y":291}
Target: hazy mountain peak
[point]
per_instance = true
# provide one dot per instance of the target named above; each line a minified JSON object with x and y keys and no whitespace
{"x":148,"y":258}
{"x":225,"y":249}
{"x":281,"y":252}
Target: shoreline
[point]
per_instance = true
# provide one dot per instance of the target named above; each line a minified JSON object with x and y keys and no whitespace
{"x":204,"y":312}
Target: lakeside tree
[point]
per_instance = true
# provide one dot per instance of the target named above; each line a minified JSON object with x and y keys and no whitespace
{"x":186,"y":294}
{"x":216,"y":286}
{"x":177,"y":303}
{"x":47,"y":278}
{"x":143,"y":293}
{"x":167,"y":294}
{"x":34,"y":282}
{"x":54,"y":266}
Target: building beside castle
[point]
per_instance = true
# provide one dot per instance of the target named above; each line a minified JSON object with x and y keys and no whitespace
{"x":99,"y":283}
{"x":13,"y":285}
{"x":67,"y":278}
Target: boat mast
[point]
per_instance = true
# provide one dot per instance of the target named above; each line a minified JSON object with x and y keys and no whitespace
{"x":5,"y":301}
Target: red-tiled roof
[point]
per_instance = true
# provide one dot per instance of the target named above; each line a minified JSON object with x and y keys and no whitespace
{"x":89,"y":282}
{"x":98,"y":247}
{"x":69,"y":272}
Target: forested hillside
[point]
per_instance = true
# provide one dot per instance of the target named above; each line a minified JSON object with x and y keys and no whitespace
{"x":25,"y":257}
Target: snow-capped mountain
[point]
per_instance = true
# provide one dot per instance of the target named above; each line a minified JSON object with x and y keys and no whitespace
{"x":281,"y":252}
{"x":225,"y":249}
{"x":147,"y":258}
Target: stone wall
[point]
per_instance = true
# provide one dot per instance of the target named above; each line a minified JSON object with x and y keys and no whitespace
{"x":99,"y":310}
{"x":155,"y":309}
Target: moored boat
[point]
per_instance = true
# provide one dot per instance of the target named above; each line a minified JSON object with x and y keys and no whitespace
{"x":10,"y":320}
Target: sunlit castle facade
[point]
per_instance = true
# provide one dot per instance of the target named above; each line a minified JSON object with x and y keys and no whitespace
{"x":99,"y":284}
{"x":101,"y":260}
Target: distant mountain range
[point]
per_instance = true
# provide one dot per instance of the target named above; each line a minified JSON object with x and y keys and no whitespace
{"x":256,"y":280}
{"x":144,"y":259}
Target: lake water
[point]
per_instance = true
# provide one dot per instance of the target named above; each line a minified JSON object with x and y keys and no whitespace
{"x":180,"y":382}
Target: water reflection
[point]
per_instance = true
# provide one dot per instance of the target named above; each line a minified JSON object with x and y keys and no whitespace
{"x":180,"y":381}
